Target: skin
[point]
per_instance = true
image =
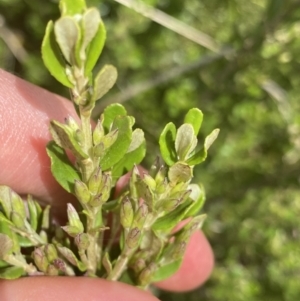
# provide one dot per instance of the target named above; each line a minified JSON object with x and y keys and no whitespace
{"x":25,"y":112}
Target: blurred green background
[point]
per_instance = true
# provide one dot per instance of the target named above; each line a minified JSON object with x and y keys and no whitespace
{"x":248,"y":86}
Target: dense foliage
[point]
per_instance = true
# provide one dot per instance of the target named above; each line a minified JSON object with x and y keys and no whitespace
{"x":252,"y":175}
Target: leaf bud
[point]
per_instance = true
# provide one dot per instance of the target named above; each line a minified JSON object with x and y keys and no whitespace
{"x":98,"y":132}
{"x":195,"y":224}
{"x":17,"y":219}
{"x":82,"y":241}
{"x":133,"y":238}
{"x":140,"y":216}
{"x":82,"y":192}
{"x":95,"y":181}
{"x":126,"y":213}
{"x":40,"y":259}
{"x":146,"y":274}
{"x":50,"y":252}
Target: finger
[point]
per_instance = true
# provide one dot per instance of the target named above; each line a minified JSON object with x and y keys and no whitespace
{"x":196,"y":267}
{"x":25,"y":113}
{"x":70,"y":289}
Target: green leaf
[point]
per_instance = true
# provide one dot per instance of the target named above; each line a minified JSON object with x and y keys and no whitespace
{"x":166,"y":271}
{"x":167,"y":144}
{"x":6,"y":245}
{"x":61,"y":167}
{"x":135,"y":154}
{"x":194,"y":117}
{"x":11,"y":273}
{"x":24,"y":242}
{"x":5,"y":199}
{"x":95,"y":48}
{"x":89,"y":26}
{"x":198,"y":197}
{"x":210,"y":139}
{"x":5,"y":228}
{"x":110,"y":113}
{"x":3,"y":264}
{"x":119,"y":148}
{"x":104,"y":81}
{"x":52,"y":57}
{"x":185,"y":141}
{"x":71,"y":7}
{"x":201,"y":155}
{"x":170,"y":220}
{"x":67,"y":33}
{"x":35,"y":212}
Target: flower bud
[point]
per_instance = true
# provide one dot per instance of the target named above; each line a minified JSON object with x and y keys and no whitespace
{"x":52,"y":270}
{"x":82,"y":241}
{"x":73,"y":218}
{"x":95,"y":181}
{"x":149,"y":181}
{"x":60,"y":265}
{"x":146,"y":274}
{"x":71,"y":123}
{"x":98,"y":133}
{"x":140,"y":216}
{"x":81,"y":191}
{"x":139,"y":265}
{"x":99,"y":150}
{"x":133,"y":238}
{"x":178,"y":250}
{"x":126,"y":213}
{"x":50,"y":252}
{"x":40,"y":259}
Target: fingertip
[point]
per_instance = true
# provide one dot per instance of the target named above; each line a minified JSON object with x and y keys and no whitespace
{"x":70,"y":289}
{"x":196,"y":267}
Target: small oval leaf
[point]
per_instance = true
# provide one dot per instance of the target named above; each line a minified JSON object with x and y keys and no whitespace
{"x":52,"y":57}
{"x":194,"y":117}
{"x":167,"y":144}
{"x":104,"y":81}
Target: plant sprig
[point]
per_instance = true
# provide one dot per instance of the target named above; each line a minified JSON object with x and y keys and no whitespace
{"x":141,"y":246}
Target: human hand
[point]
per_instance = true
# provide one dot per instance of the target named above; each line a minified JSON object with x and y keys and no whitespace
{"x":25,"y":112}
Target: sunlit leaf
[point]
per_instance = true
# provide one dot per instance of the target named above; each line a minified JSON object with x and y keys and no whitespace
{"x":194,"y":117}
{"x":185,"y":141}
{"x":10,"y":273}
{"x":53,"y":58}
{"x":119,"y":148}
{"x":111,"y":112}
{"x":72,"y":7}
{"x":134,"y":155}
{"x":167,"y":143}
{"x":95,"y":48}
{"x":67,"y":34}
{"x":104,"y":81}
{"x":166,"y":271}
